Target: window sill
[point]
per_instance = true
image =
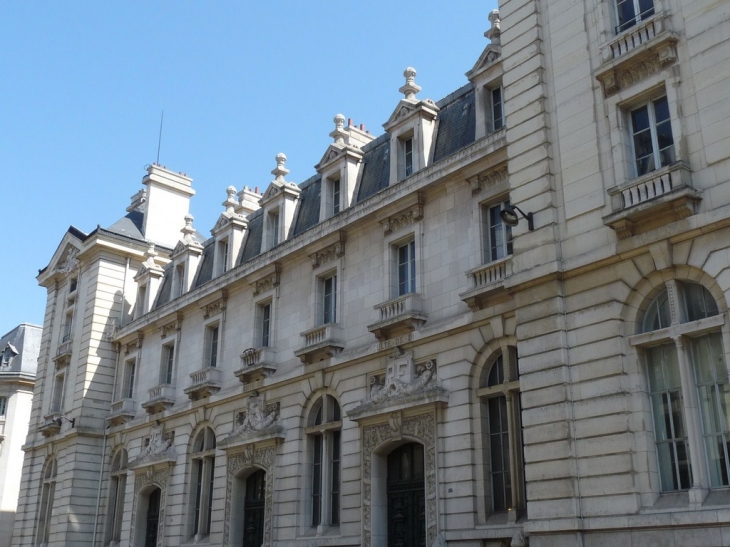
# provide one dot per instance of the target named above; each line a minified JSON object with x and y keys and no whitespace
{"x":486,"y":283}
{"x":122,"y":411}
{"x":204,"y":383}
{"x":400,"y":315}
{"x":321,"y":342}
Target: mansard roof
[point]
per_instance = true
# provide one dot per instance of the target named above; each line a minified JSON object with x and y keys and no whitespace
{"x":165,"y":292}
{"x":129,"y":225}
{"x":205,"y":270}
{"x":252,"y":246}
{"x":307,"y":213}
{"x":25,"y":339}
{"x":457,"y":122}
{"x":375,"y":170}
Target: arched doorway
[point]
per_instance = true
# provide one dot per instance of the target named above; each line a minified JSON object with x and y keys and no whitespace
{"x":254,"y":509}
{"x":406,"y":497}
{"x":153,"y":518}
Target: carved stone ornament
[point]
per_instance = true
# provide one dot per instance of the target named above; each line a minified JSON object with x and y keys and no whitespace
{"x":134,"y":345}
{"x":626,"y":76}
{"x":329,"y":254}
{"x":70,"y":263}
{"x":485,"y":181}
{"x":152,"y":477}
{"x":404,"y":218}
{"x":250,"y":458}
{"x":159,"y":447}
{"x":268,"y":283}
{"x":258,"y":416}
{"x":218,"y":306}
{"x":421,"y":428}
{"x":402,"y":378}
{"x":172,"y":327}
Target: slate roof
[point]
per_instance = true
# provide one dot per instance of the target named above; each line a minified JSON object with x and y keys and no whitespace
{"x":375,"y":168}
{"x":205,"y":270}
{"x":129,"y":225}
{"x":252,"y":246}
{"x":307,"y":214}
{"x":165,"y":292}
{"x":26,"y":340}
{"x":456,"y":122}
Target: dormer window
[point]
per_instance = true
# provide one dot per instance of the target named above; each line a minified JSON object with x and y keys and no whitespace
{"x":335,"y":192}
{"x":495,"y":95}
{"x":631,"y":12}
{"x":405,"y":157}
{"x":141,"y":301}
{"x":273,"y":228}
{"x":223,"y":250}
{"x":179,"y":279}
{"x":72,"y":284}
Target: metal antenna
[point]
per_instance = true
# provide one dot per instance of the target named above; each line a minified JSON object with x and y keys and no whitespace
{"x":159,"y":140}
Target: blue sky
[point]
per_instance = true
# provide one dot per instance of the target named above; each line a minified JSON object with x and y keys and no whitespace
{"x":82,"y":86}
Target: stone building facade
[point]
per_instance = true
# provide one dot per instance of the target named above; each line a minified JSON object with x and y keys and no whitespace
{"x":18,"y":362}
{"x":501,"y":322}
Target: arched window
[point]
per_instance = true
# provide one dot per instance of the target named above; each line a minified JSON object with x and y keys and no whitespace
{"x":45,"y":509}
{"x":688,"y":385}
{"x":117,"y":487}
{"x":201,"y":481}
{"x":502,"y":434}
{"x":323,"y":432}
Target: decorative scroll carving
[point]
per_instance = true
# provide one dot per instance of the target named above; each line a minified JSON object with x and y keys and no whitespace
{"x":70,"y":263}
{"x":134,"y":345}
{"x":638,"y":71}
{"x":218,"y":306}
{"x":329,"y":254}
{"x":404,"y":218}
{"x":261,"y":458}
{"x":421,"y":428}
{"x":173,"y":326}
{"x":258,"y":416}
{"x":268,"y":283}
{"x":485,"y":181}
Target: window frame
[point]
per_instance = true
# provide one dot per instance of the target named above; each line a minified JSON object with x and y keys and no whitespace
{"x":167,"y":363}
{"x":202,"y":482}
{"x":637,"y":17}
{"x":329,"y":293}
{"x":657,"y":154}
{"x":211,"y":345}
{"x":489,"y":232}
{"x":117,"y":491}
{"x":493,"y":126}
{"x":406,"y":270}
{"x":324,"y":453}
{"x":59,"y":392}
{"x":406,"y":155}
{"x":3,"y":406}
{"x":679,"y":337}
{"x":46,"y":501}
{"x":129,"y":378}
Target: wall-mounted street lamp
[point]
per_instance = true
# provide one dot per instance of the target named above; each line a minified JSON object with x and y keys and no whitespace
{"x":509,"y":216}
{"x":59,"y":420}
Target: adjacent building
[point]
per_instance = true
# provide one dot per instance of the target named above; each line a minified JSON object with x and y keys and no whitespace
{"x":503,"y":321}
{"x":18,"y":362}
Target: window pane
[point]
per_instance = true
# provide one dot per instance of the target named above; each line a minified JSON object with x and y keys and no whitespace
{"x":626,"y":13}
{"x":658,"y":315}
{"x":698,"y":302}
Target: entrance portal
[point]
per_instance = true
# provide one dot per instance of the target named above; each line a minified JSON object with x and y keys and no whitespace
{"x":254,"y":509}
{"x":153,"y":518}
{"x":406,"y":497}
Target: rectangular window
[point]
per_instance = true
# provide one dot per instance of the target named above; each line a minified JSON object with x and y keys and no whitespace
{"x":67,"y":327}
{"x":168,"y":361}
{"x":335,"y":196}
{"x":497,"y":235}
{"x":273,"y":238}
{"x":211,"y":346}
{"x":335,"y":490}
{"x":3,"y":406}
{"x":496,"y":103}
{"x":223,"y":250}
{"x":406,"y":268}
{"x":408,"y":156}
{"x":651,"y":129}
{"x":180,"y":274}
{"x":72,"y":285}
{"x":317,"y":479}
{"x":141,"y":307}
{"x":265,"y":319}
{"x":631,"y":12}
{"x":130,"y":370}
{"x":329,"y":300}
{"x":57,"y":401}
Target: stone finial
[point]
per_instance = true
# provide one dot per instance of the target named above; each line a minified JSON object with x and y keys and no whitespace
{"x":494,"y":33}
{"x":188,"y":229}
{"x":410,"y":88}
{"x":280,"y":172}
{"x":150,"y":255}
{"x":231,"y":202}
{"x":339,"y":133}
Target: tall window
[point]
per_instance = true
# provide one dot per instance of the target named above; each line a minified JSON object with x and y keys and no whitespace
{"x":211,"y":346}
{"x":168,"y":363}
{"x":45,"y":509}
{"x":117,"y":486}
{"x":273,"y":227}
{"x":130,"y":373}
{"x":180,"y":278}
{"x":335,"y":188}
{"x":651,"y":129}
{"x":631,"y":12}
{"x":329,"y":299}
{"x":501,"y":432}
{"x":67,"y":327}
{"x":265,"y":324}
{"x":405,"y":157}
{"x":223,"y":250}
{"x":406,"y":256}
{"x":497,"y":235}
{"x":201,"y":480}
{"x":57,"y":398}
{"x":324,"y":441}
{"x":3,"y":406}
{"x":679,"y":332}
{"x":495,"y":96}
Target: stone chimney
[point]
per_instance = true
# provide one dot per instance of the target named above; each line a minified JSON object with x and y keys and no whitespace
{"x":167,"y":203}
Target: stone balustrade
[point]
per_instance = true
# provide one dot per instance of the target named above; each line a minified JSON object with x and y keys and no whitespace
{"x":633,"y":37}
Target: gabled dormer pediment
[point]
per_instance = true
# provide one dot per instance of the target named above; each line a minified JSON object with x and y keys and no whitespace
{"x":339,"y":167}
{"x":64,"y":260}
{"x":229,"y":232}
{"x":412,"y":127}
{"x":279,"y":203}
{"x":492,"y":53}
{"x":148,"y":280}
{"x":149,"y":267}
{"x":188,"y":244}
{"x":185,"y":259}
